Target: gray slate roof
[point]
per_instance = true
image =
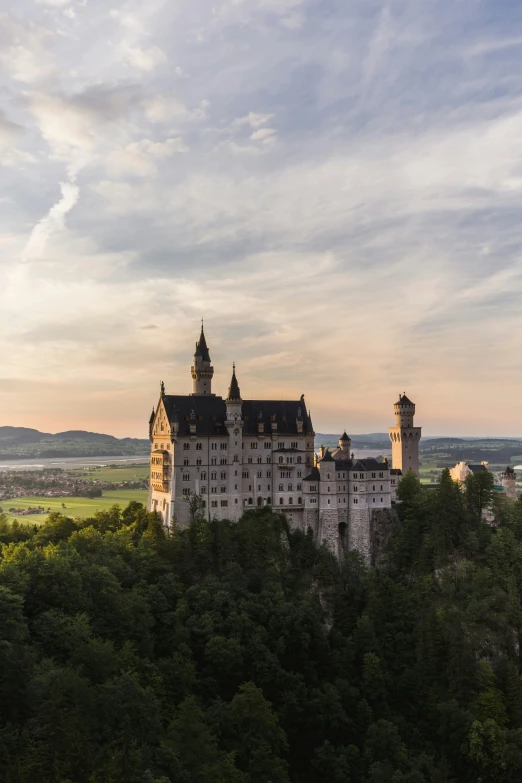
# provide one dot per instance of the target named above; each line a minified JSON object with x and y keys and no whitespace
{"x":233,"y":391}
{"x":477,"y":468}
{"x":363,"y":465}
{"x":201,"y":347}
{"x":210,"y":414}
{"x":403,"y":400}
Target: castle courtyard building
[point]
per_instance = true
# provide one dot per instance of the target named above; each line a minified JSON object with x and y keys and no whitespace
{"x":240,"y":454}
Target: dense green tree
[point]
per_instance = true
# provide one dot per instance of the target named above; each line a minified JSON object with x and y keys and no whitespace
{"x":479,"y":493}
{"x":227,"y":653}
{"x":256,"y":737}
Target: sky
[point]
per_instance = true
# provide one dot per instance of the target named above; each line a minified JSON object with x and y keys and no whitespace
{"x":334,"y":185}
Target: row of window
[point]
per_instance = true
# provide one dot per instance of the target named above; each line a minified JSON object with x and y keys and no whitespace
{"x":254,"y":445}
{"x":213,"y":490}
{"x":224,"y":461}
{"x":362,"y":475}
{"x":247,"y":501}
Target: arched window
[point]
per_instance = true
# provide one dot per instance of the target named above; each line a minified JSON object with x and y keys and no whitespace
{"x":299,"y":501}
{"x":198,"y":462}
{"x":281,"y":488}
{"x":280,"y":460}
{"x":291,"y":501}
{"x":290,"y":487}
{"x":280,"y":501}
{"x":299,"y":460}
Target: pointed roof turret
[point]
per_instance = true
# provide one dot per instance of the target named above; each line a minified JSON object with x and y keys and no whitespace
{"x":344,"y":437}
{"x":234,"y":395}
{"x":201,"y":346}
{"x":151,"y":422}
{"x":327,"y":457}
{"x":403,"y":400}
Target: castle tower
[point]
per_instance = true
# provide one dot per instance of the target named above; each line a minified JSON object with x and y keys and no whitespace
{"x":345,"y":444}
{"x":234,"y":425}
{"x":233,"y":401}
{"x":509,"y":482}
{"x":405,"y":437}
{"x":202,"y":371}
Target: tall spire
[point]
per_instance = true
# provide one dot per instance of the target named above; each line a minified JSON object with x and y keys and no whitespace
{"x":201,"y":346}
{"x":234,"y":395}
{"x":201,"y":370}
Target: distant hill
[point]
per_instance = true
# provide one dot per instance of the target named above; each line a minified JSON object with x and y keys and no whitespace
{"x":374,"y":440}
{"x":83,"y":435}
{"x":25,"y":443}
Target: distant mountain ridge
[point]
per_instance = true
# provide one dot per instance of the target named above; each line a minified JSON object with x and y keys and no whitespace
{"x":25,"y":442}
{"x":373,"y":440}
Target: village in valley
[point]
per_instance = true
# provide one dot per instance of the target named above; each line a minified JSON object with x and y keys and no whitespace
{"x":29,"y":493}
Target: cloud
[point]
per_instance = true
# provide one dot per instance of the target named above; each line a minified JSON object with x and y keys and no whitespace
{"x":64,"y":122}
{"x":163,"y":109}
{"x":489,"y":47}
{"x":53,"y":222}
{"x":131,"y":49}
{"x":23,"y":52}
{"x":253,"y":119}
{"x":140,"y":158}
{"x":10,"y":132}
{"x":263,"y":134}
{"x":144,"y":59}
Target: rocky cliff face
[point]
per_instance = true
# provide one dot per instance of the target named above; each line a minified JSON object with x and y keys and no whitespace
{"x":381,"y":523}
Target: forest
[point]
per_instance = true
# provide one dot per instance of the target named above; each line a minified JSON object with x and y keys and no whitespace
{"x":242,"y":653}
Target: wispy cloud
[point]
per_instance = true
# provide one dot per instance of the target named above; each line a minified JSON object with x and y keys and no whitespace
{"x":54,"y":221}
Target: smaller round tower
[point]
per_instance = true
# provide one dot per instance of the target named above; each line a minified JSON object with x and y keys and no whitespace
{"x":509,"y":482}
{"x":345,"y":444}
{"x":405,"y":437}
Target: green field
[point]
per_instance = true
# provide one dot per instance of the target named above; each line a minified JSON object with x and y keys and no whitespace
{"x":127,"y":473}
{"x":74,"y":507}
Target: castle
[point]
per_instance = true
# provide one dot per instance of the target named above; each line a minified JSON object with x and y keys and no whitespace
{"x":238,"y":454}
{"x":505,"y":483}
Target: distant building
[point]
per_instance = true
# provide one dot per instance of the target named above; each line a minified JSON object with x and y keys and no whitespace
{"x":509,"y":482}
{"x":464,"y":469}
{"x":504,"y":484}
{"x":239,"y":454}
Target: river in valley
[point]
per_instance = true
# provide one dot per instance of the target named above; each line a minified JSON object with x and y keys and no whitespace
{"x":70,"y":463}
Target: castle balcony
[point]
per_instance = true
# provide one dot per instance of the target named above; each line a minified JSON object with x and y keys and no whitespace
{"x":160,"y":470}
